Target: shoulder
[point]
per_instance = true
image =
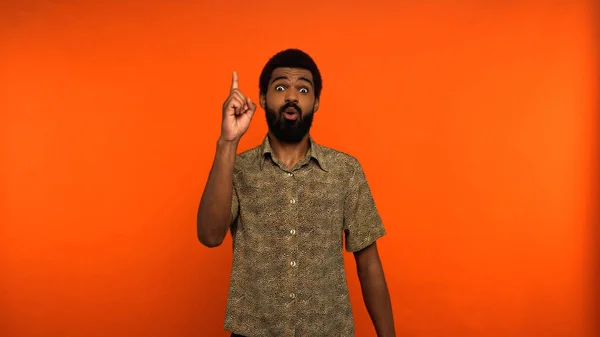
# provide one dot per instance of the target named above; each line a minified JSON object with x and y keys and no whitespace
{"x":249,"y":154}
{"x":340,"y":161}
{"x":247,"y":159}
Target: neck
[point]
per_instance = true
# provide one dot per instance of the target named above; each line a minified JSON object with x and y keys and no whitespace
{"x":289,"y":153}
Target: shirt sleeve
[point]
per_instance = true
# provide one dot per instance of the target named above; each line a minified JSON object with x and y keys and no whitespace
{"x":362,"y":222}
{"x":235,"y":206}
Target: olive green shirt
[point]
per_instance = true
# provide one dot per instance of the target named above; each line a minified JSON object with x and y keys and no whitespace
{"x":288,"y":232}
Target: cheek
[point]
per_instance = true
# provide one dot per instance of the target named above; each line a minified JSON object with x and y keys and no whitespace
{"x":307,"y":104}
{"x":272,"y":105}
{"x":274,"y":99}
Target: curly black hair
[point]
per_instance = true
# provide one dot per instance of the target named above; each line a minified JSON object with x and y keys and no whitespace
{"x":290,"y":58}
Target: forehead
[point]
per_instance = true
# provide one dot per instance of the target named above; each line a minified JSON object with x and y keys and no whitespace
{"x":292,"y":74}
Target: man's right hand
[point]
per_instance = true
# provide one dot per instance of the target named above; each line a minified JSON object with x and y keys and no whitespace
{"x":237,"y":113}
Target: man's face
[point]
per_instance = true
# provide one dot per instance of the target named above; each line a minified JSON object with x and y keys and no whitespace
{"x":289,"y":104}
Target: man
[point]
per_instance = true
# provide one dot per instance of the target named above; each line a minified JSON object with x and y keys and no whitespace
{"x":289,"y":203}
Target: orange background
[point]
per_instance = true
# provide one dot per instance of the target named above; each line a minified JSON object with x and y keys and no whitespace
{"x":474,"y":123}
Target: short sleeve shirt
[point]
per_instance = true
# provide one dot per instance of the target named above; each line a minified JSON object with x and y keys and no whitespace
{"x":289,"y":230}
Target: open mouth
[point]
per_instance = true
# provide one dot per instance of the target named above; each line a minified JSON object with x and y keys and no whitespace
{"x":290,"y":114}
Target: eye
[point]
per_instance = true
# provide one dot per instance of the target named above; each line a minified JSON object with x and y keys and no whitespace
{"x":304,"y":90}
{"x":279,"y":88}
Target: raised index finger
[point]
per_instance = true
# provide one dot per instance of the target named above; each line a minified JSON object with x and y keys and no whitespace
{"x":234,"y":81}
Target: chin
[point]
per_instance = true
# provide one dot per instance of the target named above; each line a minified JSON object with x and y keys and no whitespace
{"x":289,"y":136}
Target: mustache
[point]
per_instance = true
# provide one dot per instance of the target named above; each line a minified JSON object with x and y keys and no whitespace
{"x":290,"y":105}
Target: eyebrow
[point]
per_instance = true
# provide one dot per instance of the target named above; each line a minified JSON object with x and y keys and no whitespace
{"x":285,"y":78}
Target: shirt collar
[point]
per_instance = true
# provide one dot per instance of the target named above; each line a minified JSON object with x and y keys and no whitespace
{"x":314,"y":151}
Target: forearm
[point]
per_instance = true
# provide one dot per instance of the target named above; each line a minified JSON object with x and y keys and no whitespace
{"x":214,"y":211}
{"x":377,"y":298}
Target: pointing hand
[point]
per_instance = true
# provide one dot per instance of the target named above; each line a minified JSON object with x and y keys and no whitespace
{"x":237,"y":113}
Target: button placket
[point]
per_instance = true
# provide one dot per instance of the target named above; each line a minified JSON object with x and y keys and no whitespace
{"x":293,"y":200}
{"x":292,"y":264}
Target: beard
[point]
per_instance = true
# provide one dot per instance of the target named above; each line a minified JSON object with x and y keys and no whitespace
{"x":288,"y":131}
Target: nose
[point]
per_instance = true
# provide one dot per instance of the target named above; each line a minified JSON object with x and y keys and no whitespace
{"x":291,"y":96}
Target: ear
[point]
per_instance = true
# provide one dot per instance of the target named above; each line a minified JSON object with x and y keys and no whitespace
{"x":262,"y":101}
{"x":316,"y":105}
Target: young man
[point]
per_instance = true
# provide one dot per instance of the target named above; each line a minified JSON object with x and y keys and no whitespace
{"x":287,"y":203}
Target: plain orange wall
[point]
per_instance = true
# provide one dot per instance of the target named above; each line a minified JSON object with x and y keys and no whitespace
{"x":474,"y":123}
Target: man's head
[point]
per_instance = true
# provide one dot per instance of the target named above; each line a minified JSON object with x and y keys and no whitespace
{"x":290,"y":88}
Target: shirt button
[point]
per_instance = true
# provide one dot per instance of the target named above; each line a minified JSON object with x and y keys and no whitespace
{"x":292,"y":295}
{"x":293,"y":263}
{"x":290,"y":174}
{"x":293,"y":231}
{"x":293,"y":201}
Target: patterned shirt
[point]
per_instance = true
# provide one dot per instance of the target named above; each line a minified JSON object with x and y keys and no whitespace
{"x":288,"y":233}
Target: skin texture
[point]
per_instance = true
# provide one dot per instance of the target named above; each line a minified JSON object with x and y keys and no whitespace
{"x":374,"y":290}
{"x":214,"y":212}
{"x":289,"y":89}
{"x":290,"y":86}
